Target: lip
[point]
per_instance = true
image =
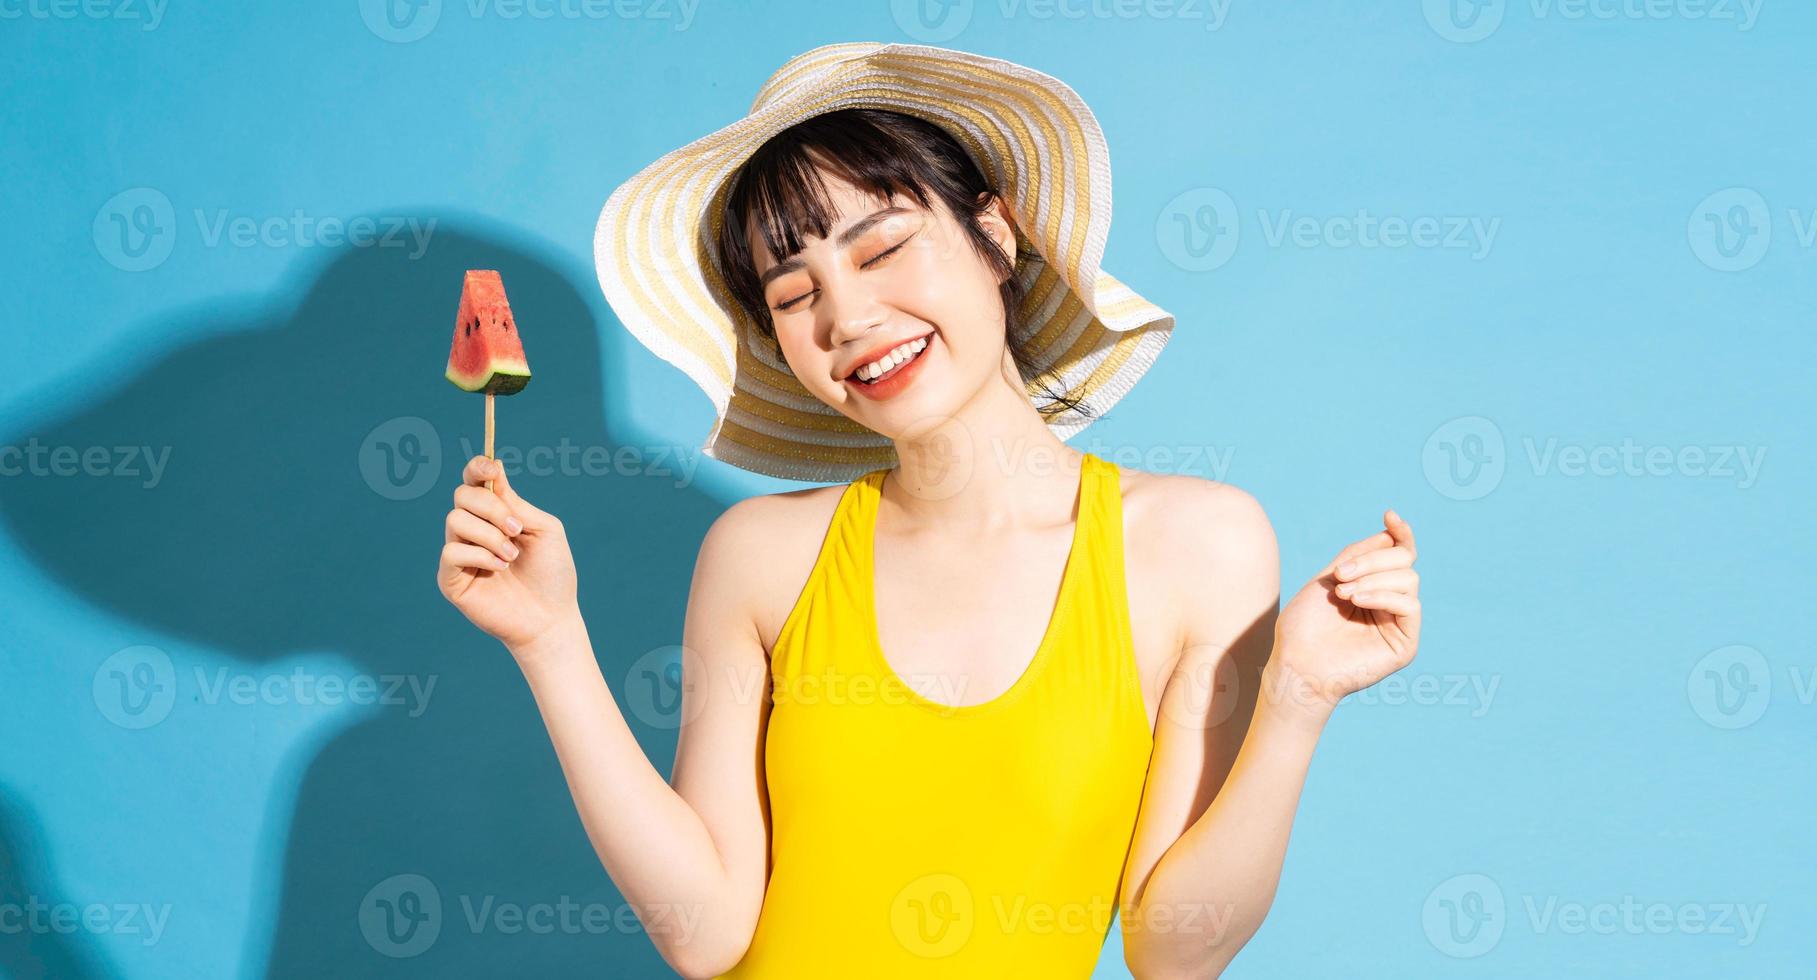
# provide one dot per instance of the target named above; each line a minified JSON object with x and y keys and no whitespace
{"x":878,"y":351}
{"x":893,"y":385}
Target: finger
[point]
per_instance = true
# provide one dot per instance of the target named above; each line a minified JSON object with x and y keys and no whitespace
{"x":1401,"y":531}
{"x":489,"y":506}
{"x":1394,"y":580}
{"x":478,"y":470}
{"x":1379,"y":539}
{"x":1398,"y":603}
{"x":459,"y":555}
{"x":534,"y":517}
{"x":466,"y":526}
{"x":1374,"y":561}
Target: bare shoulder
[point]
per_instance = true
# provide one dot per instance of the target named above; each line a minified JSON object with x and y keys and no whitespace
{"x":1196,"y":518}
{"x":1206,"y":544}
{"x":762,"y":549}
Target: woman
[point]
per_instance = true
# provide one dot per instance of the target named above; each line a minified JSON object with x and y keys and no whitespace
{"x":944,"y":716}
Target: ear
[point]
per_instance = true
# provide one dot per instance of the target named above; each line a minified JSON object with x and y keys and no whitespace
{"x":999,"y":224}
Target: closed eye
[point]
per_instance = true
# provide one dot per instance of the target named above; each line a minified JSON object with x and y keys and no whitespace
{"x":879,"y":257}
{"x":886,"y":253}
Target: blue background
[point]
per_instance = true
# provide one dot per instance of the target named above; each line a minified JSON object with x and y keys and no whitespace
{"x":1649,"y":727}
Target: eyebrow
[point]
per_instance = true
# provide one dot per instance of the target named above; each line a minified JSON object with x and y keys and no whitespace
{"x":845,"y":238}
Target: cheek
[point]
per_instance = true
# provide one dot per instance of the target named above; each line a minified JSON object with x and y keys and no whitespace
{"x":948,"y":286}
{"x":812,"y":366}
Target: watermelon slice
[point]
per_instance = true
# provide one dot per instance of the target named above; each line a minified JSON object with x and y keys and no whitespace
{"x":487,"y":354}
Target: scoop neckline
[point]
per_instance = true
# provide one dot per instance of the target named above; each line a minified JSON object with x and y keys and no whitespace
{"x":1043,"y":650}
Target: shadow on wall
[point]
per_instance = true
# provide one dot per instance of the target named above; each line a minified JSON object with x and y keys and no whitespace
{"x":27,"y":881}
{"x":312,"y":455}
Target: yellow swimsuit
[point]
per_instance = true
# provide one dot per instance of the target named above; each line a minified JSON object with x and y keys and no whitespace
{"x":911,"y":838}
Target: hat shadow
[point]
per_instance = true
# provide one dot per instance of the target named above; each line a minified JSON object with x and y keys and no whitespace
{"x":312,"y":450}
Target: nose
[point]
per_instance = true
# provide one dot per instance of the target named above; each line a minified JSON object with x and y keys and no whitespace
{"x":851,"y":308}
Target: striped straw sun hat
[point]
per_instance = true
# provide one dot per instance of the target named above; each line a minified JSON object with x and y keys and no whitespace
{"x":1035,"y":141}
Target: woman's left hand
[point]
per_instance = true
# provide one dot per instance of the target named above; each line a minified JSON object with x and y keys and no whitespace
{"x":1355,"y":623}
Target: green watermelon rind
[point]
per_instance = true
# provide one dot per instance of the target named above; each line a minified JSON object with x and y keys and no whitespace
{"x":499,"y":380}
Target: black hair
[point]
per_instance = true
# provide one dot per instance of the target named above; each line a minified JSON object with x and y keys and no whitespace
{"x":883,"y":153}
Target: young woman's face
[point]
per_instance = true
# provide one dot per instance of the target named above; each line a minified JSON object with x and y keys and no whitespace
{"x":888,"y":274}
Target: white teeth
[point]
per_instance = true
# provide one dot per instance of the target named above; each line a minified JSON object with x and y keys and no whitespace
{"x":893,"y":358}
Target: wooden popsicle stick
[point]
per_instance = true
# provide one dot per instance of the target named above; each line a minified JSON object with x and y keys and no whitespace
{"x":489,"y":432}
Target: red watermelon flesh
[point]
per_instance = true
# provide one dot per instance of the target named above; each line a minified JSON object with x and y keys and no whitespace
{"x":487,"y":354}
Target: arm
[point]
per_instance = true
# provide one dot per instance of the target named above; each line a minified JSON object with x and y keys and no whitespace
{"x":1212,"y":837}
{"x":1216,"y":812}
{"x":691,"y":859}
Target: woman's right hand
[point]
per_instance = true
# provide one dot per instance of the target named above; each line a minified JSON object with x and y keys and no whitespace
{"x":505,"y":562}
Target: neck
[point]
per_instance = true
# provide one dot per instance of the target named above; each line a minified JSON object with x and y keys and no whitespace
{"x":993,"y":463}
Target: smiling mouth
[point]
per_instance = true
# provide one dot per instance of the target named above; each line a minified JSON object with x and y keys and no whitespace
{"x":895,"y":368}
